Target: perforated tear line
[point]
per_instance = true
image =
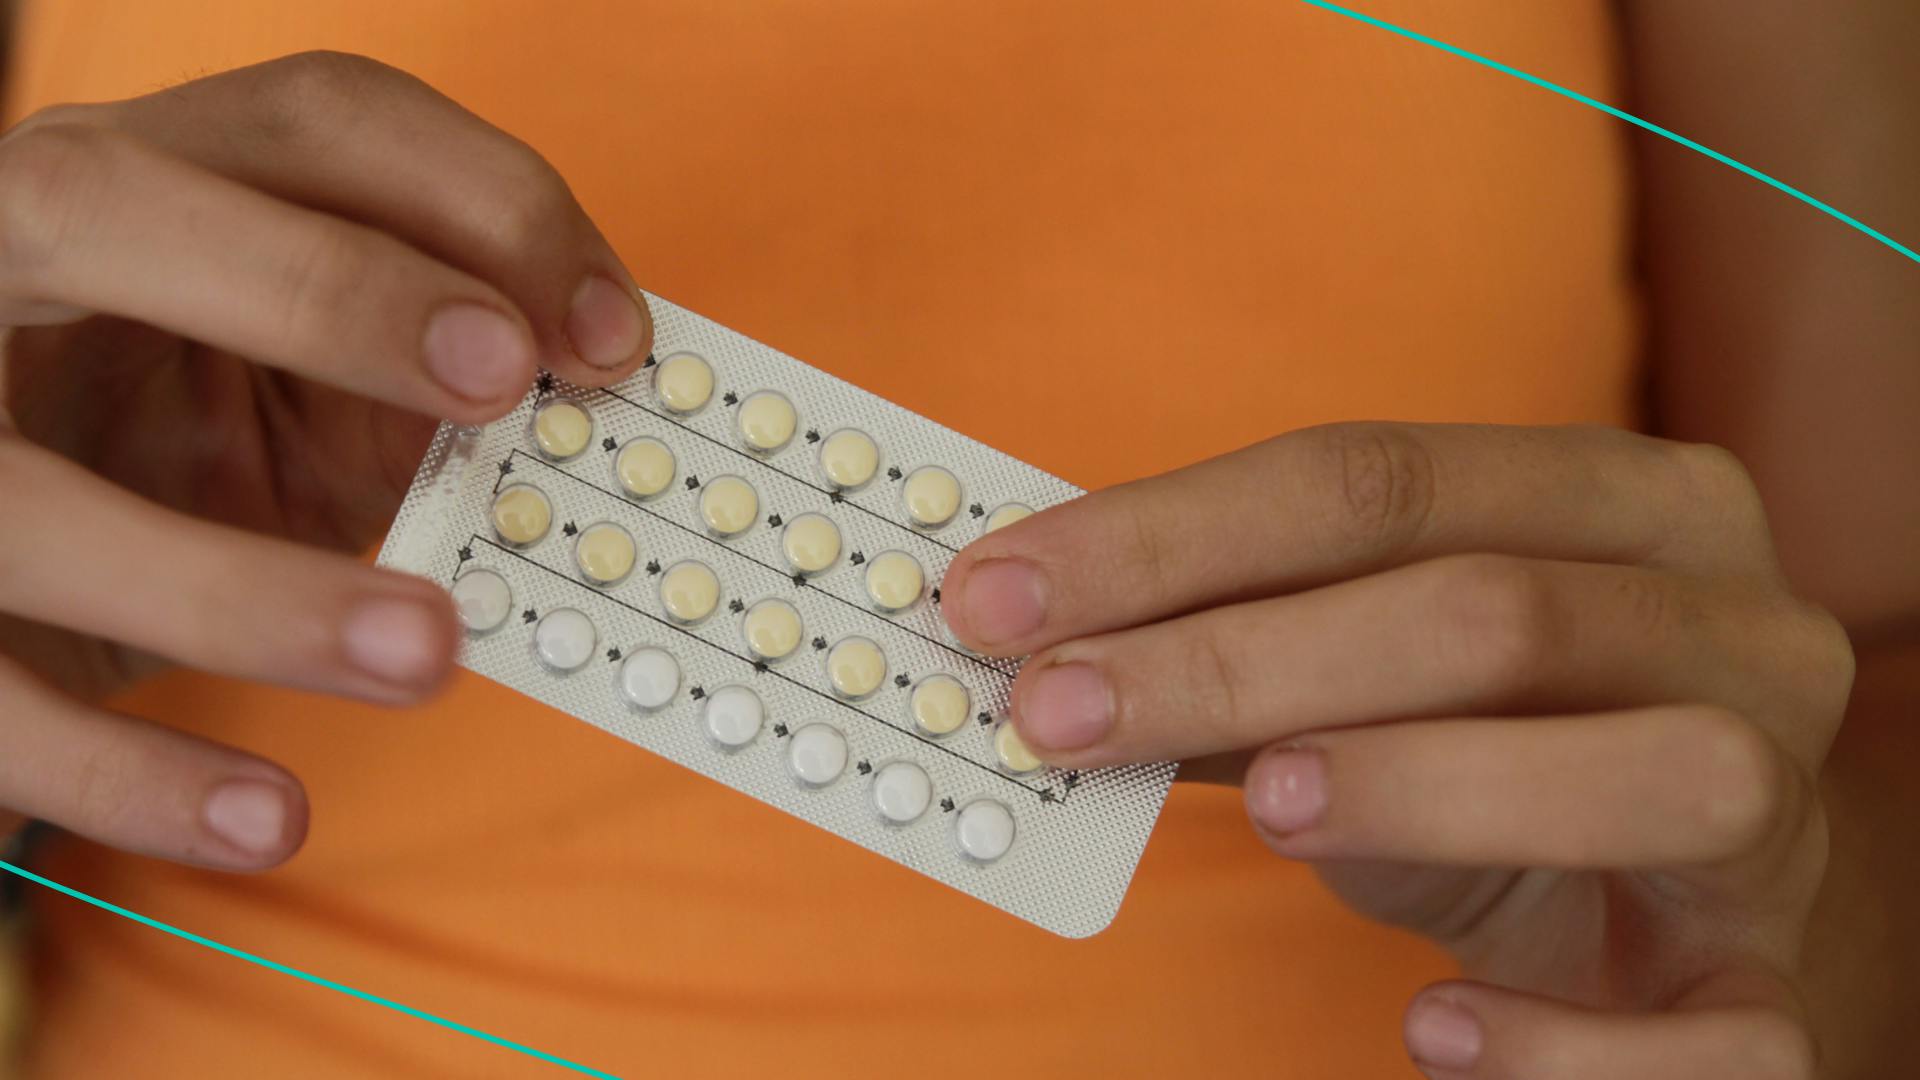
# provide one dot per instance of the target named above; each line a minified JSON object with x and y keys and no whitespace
{"x":1079,"y":836}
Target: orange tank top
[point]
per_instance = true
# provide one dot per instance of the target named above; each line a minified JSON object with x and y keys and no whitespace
{"x":1233,"y":218}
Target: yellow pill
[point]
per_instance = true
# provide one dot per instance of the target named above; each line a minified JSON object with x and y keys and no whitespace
{"x":683,"y":382}
{"x":728,"y":505}
{"x":1006,"y":514}
{"x":645,"y":467}
{"x":605,"y":553}
{"x":689,"y":591}
{"x":773,"y":629}
{"x":767,"y":421}
{"x":849,"y":458}
{"x":1012,"y":752}
{"x":811,"y":542}
{"x":894,"y":580}
{"x":562,"y":429}
{"x":521,"y":514}
{"x":856,"y":667}
{"x":932,"y":496}
{"x":939,"y":704}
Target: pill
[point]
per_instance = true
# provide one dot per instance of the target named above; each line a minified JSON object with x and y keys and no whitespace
{"x":683,"y":382}
{"x":766,"y":421}
{"x":733,"y":716}
{"x":932,"y":496}
{"x":521,"y":514}
{"x":849,"y":458}
{"x":817,"y":754}
{"x":856,"y":667}
{"x":939,"y":704}
{"x":564,"y":639}
{"x":649,"y":678}
{"x":811,"y":542}
{"x":605,"y":553}
{"x":645,"y":467}
{"x":894,"y":580}
{"x":483,"y":600}
{"x":1012,"y":750}
{"x":984,"y":830}
{"x":1006,"y":514}
{"x":561,"y":429}
{"x":772,"y":629}
{"x":901,"y":791}
{"x":689,"y":590}
{"x":728,"y":505}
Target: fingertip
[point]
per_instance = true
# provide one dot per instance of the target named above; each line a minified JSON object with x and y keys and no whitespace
{"x":405,"y":639}
{"x":483,"y":356}
{"x":608,"y":328}
{"x":259,"y":818}
{"x":997,"y":605}
{"x":1444,"y":1036}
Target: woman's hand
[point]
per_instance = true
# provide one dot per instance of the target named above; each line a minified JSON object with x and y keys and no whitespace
{"x":236,"y":307}
{"x":1542,"y":694}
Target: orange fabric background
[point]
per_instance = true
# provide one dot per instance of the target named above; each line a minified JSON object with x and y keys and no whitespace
{"x":1223,"y":219}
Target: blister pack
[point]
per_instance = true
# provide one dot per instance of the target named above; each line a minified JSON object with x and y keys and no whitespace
{"x":733,"y":559}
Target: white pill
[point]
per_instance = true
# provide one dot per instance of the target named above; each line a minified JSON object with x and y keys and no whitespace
{"x":849,"y":458}
{"x":728,"y":505}
{"x":564,"y":639}
{"x":683,"y":382}
{"x":645,"y":467}
{"x":772,"y":629}
{"x":766,"y":421}
{"x":811,"y":542}
{"x":733,"y":716}
{"x":562,"y":429}
{"x":1006,"y":514}
{"x":931,"y":495}
{"x":894,"y":580}
{"x":939,"y":704}
{"x":856,"y":667}
{"x":483,"y":600}
{"x":817,"y":754}
{"x":649,"y":678}
{"x":689,"y":591}
{"x":984,"y":830}
{"x":901,"y":791}
{"x":1012,"y":750}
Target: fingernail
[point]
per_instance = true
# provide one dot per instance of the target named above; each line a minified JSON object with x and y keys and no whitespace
{"x":605,"y":323}
{"x":249,"y":814}
{"x":1066,"y":707}
{"x":477,"y":352}
{"x":1287,"y":791}
{"x":396,"y":641}
{"x":1443,"y":1035}
{"x":1005,"y":601}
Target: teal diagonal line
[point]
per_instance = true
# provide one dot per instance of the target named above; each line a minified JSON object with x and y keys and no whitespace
{"x":1413,"y":35}
{"x":240,"y":954}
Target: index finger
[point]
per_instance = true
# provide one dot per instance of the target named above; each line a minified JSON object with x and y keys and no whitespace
{"x":352,"y":136}
{"x":1329,"y":503}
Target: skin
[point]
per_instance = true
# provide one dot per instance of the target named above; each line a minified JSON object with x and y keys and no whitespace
{"x":1567,"y":700}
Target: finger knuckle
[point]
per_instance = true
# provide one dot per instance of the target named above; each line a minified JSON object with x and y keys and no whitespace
{"x":1206,"y":659}
{"x":1741,"y":785}
{"x":327,"y":78}
{"x":47,"y":176}
{"x":1376,"y":485}
{"x":1499,"y":621}
{"x":1832,"y":664}
{"x":533,"y":203}
{"x":104,"y":790}
{"x":321,"y":275}
{"x":1718,"y":483}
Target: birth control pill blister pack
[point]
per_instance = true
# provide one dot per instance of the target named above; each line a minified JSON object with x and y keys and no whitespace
{"x":733,"y":560}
